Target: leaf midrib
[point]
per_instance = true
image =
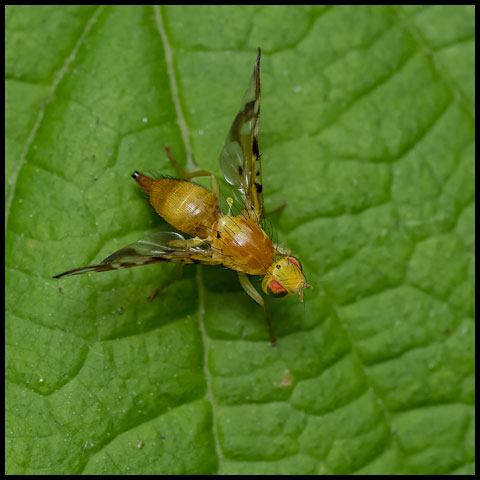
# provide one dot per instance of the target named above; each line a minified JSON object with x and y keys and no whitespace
{"x":190,"y":165}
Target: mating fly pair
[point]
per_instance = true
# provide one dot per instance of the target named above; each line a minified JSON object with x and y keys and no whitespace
{"x":236,"y":241}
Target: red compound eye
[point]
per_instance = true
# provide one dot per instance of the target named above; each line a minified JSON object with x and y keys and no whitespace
{"x":295,"y":262}
{"x":276,"y":290}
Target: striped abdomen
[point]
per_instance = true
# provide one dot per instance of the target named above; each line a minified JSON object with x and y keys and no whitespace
{"x":186,"y":206}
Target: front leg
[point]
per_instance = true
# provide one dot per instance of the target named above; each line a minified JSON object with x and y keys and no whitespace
{"x":253,"y":293}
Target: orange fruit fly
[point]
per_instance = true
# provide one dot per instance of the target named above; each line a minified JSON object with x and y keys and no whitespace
{"x":238,"y":241}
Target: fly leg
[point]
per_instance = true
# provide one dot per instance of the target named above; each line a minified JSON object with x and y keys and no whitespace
{"x":187,"y":243}
{"x":162,"y":287}
{"x":282,"y":205}
{"x":184,"y":244}
{"x":181,"y":171}
{"x":190,"y":242}
{"x":252,"y":293}
{"x":197,"y":173}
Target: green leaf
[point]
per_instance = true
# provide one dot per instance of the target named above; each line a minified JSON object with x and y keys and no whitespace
{"x":367,"y":131}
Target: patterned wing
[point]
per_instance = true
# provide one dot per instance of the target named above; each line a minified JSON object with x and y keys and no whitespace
{"x":154,"y":248}
{"x":240,"y":159}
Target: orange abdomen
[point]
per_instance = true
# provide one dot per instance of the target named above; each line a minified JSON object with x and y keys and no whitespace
{"x":186,"y":206}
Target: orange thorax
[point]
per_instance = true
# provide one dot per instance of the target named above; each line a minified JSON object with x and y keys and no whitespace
{"x":242,"y":245}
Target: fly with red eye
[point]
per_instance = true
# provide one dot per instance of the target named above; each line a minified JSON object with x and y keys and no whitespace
{"x":214,"y":237}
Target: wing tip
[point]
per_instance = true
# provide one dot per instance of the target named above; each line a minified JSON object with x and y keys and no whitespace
{"x":65,"y":274}
{"x":90,"y":268}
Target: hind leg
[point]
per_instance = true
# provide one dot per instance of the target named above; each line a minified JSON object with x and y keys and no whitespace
{"x":197,"y":173}
{"x":181,"y":171}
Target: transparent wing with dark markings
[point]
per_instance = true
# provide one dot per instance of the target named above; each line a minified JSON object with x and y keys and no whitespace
{"x":240,"y":159}
{"x":154,"y":248}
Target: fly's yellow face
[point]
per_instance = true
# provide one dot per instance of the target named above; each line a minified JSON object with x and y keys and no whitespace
{"x":285,"y":277}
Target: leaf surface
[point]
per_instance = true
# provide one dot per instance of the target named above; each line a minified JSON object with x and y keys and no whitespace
{"x":367,"y":131}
